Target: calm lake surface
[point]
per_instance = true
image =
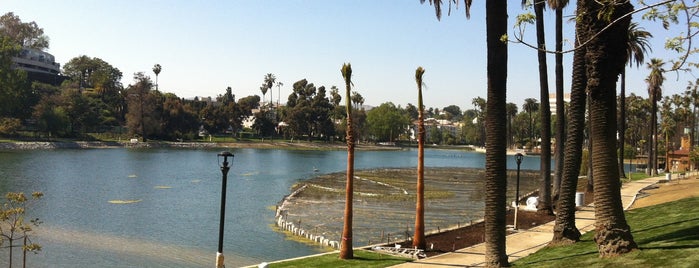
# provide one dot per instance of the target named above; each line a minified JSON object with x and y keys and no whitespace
{"x":172,"y":220}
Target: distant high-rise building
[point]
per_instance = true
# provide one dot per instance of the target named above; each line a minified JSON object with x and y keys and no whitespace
{"x":552,"y":101}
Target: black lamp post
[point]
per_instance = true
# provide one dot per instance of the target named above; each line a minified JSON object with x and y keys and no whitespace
{"x":224,"y":172}
{"x":518,"y":157}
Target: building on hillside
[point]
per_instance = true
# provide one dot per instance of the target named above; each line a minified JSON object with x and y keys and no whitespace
{"x":679,"y":159}
{"x":451,"y":128}
{"x":40,"y":66}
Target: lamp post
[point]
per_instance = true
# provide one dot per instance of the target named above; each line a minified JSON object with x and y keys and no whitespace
{"x":518,"y":157}
{"x":224,"y":172}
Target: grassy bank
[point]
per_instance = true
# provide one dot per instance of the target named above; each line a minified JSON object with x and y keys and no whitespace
{"x":362,"y":258}
{"x":667,"y":235}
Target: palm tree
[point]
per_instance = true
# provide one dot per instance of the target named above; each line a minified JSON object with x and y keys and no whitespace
{"x":346,"y":244}
{"x":564,"y":230}
{"x":636,"y":48}
{"x":558,"y":6}
{"x":279,"y":91}
{"x":269,"y":83}
{"x":496,"y":140}
{"x":530,"y":106}
{"x":263,"y":89}
{"x":605,"y":59}
{"x":156,"y":69}
{"x":544,"y":204}
{"x":419,"y":236}
{"x":511,"y":113}
{"x":655,"y":82}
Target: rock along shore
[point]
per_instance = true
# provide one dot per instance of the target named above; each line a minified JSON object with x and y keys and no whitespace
{"x":39,"y":145}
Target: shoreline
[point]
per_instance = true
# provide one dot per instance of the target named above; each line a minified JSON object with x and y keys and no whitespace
{"x":295,"y":145}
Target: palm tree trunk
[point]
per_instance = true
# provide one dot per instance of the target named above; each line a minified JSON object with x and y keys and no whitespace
{"x":419,"y":236}
{"x":496,"y":142}
{"x":560,"y":109}
{"x":346,"y":251}
{"x":605,"y":56}
{"x":622,"y":122}
{"x":544,"y":204}
{"x":564,"y":230}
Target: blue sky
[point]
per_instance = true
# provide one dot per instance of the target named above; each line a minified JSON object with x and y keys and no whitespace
{"x":206,"y":46}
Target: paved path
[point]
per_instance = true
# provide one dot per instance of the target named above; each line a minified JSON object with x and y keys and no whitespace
{"x":529,"y":241}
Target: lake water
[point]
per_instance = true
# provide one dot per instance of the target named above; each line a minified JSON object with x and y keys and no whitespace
{"x":175,"y":194}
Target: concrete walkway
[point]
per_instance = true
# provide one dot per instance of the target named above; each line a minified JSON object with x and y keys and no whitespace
{"x":526,"y":242}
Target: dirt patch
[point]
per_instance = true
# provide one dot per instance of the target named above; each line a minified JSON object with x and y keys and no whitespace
{"x":667,"y":191}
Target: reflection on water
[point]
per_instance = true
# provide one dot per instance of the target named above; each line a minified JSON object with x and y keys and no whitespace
{"x":175,"y":221}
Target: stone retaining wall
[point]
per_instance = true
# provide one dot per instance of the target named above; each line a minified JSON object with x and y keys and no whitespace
{"x":289,"y":226}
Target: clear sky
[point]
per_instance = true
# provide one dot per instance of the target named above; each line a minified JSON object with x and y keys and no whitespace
{"x":206,"y":46}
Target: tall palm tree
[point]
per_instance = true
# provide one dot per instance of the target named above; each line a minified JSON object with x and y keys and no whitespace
{"x":531,"y":106}
{"x":564,"y":230}
{"x":419,"y":236}
{"x":263,"y":89}
{"x":558,"y":6}
{"x":655,"y":93}
{"x":269,"y":83}
{"x":605,"y":59}
{"x":346,"y":243}
{"x":156,"y":69}
{"x":544,"y":204}
{"x":496,"y":140}
{"x":636,"y":48}
{"x":511,"y":113}
{"x":279,"y":91}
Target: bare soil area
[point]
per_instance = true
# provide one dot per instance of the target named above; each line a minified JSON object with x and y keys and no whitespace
{"x":668,"y":191}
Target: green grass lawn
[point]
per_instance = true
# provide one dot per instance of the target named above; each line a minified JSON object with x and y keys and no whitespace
{"x":362,"y":258}
{"x":667,"y":235}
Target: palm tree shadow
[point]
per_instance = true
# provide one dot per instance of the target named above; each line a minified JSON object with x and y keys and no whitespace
{"x":686,"y":234}
{"x":593,"y":252}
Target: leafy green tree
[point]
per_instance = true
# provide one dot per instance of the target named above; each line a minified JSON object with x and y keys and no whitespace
{"x":25,"y":34}
{"x":179,"y":121}
{"x":386,"y":122}
{"x":15,"y":93}
{"x":13,"y":226}
{"x":309,"y":111}
{"x":94,"y":74}
{"x":453,"y":112}
{"x":141,"y":117}
{"x":51,"y":116}
{"x":264,"y":126}
{"x":412,"y":111}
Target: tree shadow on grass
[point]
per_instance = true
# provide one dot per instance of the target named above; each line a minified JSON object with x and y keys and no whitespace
{"x":665,"y":225}
{"x":687,"y":234}
{"x":560,"y":257}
